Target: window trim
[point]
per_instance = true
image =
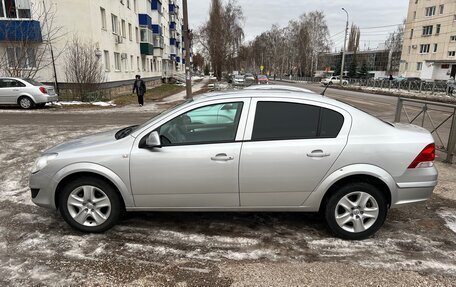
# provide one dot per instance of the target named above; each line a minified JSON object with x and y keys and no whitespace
{"x":343,"y":133}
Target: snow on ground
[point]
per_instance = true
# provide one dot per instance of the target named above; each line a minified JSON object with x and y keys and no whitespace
{"x":450,"y":218}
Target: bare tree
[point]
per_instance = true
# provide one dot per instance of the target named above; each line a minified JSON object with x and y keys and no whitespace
{"x":394,"y":45}
{"x":353,"y":39}
{"x":83,"y":67}
{"x":27,"y":51}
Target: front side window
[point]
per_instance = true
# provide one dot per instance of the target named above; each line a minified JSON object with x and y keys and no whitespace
{"x":285,"y":121}
{"x":209,"y":124}
{"x":10,"y":83}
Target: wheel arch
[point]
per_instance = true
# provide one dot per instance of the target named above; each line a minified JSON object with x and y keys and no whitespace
{"x":22,"y":95}
{"x":75,"y":171}
{"x":374,"y":175}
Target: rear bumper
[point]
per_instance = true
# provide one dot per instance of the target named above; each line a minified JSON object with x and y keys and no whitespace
{"x":41,"y":99}
{"x":415,"y":185}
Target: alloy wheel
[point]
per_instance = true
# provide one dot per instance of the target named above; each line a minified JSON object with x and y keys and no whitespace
{"x":356,"y":211}
{"x":89,"y":205}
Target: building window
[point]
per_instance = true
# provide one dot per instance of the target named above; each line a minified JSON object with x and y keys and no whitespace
{"x":409,"y":49}
{"x":137,"y":34}
{"x":453,"y":38}
{"x":124,"y":31}
{"x":414,"y":15}
{"x":454,"y":18}
{"x":441,"y":7}
{"x":435,"y":48}
{"x":22,"y":58}
{"x":128,"y":4}
{"x":103,"y":18}
{"x":138,"y":64}
{"x":130,"y":36}
{"x":406,"y":66}
{"x":132,"y":64}
{"x":411,"y":33}
{"x":115,"y":24}
{"x":416,"y":1}
{"x":451,"y":53}
{"x":427,"y":30}
{"x":15,"y":9}
{"x":124,"y":58}
{"x":424,"y":49}
{"x":122,"y":2}
{"x":117,"y":61}
{"x":134,"y":5}
{"x":106,"y":60}
{"x":437,"y":29}
{"x":419,"y":66}
{"x":430,"y":11}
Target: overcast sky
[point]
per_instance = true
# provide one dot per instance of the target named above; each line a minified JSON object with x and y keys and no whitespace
{"x":260,"y":15}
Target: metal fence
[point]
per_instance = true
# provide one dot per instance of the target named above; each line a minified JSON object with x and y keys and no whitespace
{"x":419,"y":112}
{"x":408,"y":86}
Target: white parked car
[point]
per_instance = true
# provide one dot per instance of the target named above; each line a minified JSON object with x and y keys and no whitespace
{"x":26,"y":93}
{"x":238,"y":80}
{"x":334,"y":80}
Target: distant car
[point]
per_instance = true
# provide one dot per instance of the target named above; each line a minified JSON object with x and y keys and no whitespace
{"x":238,"y":80}
{"x":408,"y":79}
{"x":262,"y":79}
{"x":334,"y":80}
{"x":26,"y":93}
{"x":249,"y":77}
{"x":279,"y":88}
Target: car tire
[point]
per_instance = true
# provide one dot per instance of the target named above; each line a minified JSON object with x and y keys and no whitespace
{"x":344,"y":83}
{"x":356,"y":211}
{"x":26,"y":103}
{"x":90,"y":205}
{"x":330,"y":83}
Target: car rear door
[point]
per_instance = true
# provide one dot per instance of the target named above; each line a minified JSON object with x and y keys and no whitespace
{"x":289,"y":147}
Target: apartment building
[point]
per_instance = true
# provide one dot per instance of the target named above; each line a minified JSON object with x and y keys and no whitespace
{"x":429,"y":48}
{"x":130,"y":36}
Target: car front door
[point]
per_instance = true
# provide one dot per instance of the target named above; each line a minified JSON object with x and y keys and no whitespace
{"x":198,"y":163}
{"x":288,"y":149}
{"x":9,"y":91}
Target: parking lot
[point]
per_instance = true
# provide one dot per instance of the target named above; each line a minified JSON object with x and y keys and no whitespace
{"x":416,"y":246}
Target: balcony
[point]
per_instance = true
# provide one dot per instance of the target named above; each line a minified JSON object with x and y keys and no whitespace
{"x":145,"y":20}
{"x":172,"y":8}
{"x":146,"y":49}
{"x":20,"y":30}
{"x":156,"y":5}
{"x":172,"y":51}
{"x":172,"y":41}
{"x":157,"y":29}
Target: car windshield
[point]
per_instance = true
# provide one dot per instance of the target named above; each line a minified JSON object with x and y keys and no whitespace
{"x":128,"y":130}
{"x":33,"y":82}
{"x":239,"y":77}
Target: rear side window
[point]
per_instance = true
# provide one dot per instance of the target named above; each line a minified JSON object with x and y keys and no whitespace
{"x":281,"y":121}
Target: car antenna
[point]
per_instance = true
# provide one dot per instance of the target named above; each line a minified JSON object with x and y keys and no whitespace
{"x":323,"y":93}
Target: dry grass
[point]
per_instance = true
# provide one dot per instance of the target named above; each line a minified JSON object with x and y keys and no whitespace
{"x":153,"y":94}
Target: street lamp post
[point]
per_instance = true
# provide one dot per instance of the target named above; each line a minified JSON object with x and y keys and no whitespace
{"x":343,"y":51}
{"x":188,"y":73}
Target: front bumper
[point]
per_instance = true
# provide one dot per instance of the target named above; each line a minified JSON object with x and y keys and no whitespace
{"x":42,"y":188}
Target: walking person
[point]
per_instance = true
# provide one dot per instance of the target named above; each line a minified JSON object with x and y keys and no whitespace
{"x":140,"y":88}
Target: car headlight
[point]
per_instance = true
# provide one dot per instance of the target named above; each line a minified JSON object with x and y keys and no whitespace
{"x":43,"y":161}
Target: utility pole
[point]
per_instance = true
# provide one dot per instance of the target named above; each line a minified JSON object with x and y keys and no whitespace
{"x":188,"y":72}
{"x":343,"y":51}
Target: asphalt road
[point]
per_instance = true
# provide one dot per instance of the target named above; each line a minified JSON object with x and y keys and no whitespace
{"x":415,"y":247}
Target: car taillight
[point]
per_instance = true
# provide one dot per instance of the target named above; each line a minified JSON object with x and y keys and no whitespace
{"x":425,"y":158}
{"x":43,"y":90}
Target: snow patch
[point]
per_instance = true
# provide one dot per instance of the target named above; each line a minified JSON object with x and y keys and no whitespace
{"x":450,"y":218}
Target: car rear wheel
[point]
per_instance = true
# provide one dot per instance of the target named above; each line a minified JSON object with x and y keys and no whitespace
{"x":90,"y":205}
{"x":356,"y":211}
{"x":26,"y":103}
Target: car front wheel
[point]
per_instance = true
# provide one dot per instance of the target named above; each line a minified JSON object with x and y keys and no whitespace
{"x":356,"y":211}
{"x":90,"y":205}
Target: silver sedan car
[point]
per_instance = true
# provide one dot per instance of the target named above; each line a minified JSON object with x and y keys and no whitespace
{"x":26,"y":93}
{"x":243,"y":151}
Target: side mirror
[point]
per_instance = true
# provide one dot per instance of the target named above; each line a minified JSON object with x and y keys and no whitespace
{"x":153,"y":140}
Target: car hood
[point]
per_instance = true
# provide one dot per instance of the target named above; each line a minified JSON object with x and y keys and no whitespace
{"x":84,"y":142}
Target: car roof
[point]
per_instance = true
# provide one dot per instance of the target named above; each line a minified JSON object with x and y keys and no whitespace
{"x":278,"y":88}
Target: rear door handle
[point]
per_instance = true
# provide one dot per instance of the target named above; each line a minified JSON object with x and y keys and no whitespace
{"x":318,"y":153}
{"x":222,"y":157}
{"x":16,"y":90}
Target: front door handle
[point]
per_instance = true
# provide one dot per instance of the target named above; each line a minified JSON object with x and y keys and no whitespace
{"x":222,"y":157}
{"x":16,"y":90}
{"x":318,"y":153}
